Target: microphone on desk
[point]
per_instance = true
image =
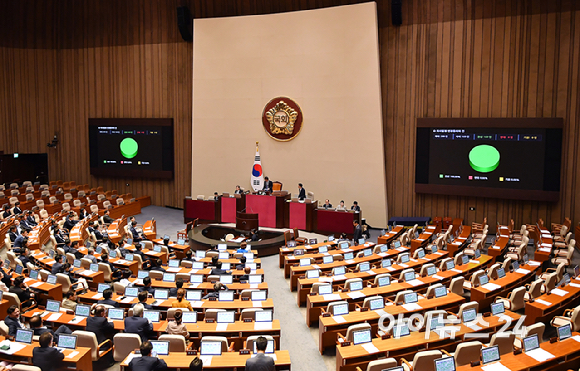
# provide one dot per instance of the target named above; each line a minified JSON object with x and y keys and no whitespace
{"x":244,"y":209}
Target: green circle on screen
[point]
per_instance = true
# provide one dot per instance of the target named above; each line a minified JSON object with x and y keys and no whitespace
{"x":484,"y":158}
{"x":129,"y":147}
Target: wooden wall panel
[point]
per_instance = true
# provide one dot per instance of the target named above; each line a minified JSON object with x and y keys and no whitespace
{"x":64,"y":61}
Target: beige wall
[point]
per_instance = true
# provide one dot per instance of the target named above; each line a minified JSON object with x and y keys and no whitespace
{"x":327,"y":61}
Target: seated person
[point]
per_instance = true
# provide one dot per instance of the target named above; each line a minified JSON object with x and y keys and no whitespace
{"x":242,"y":264}
{"x":196,"y":365}
{"x":341,"y":206}
{"x":4,"y":276}
{"x":37,"y":325}
{"x":254,"y":236}
{"x":218,"y":269}
{"x":21,"y":289}
{"x":139,"y":251}
{"x":20,"y":241}
{"x":12,"y":320}
{"x":216,"y":196}
{"x":180,"y":303}
{"x":216,"y":289}
{"x":100,"y":325}
{"x":238,"y":190}
{"x":260,"y":362}
{"x":327,"y":205}
{"x":189,"y":256}
{"x":147,"y":286}
{"x":46,"y":357}
{"x":214,"y":261}
{"x":246,"y":275}
{"x":355,"y":206}
{"x":70,"y":300}
{"x":142,"y":297}
{"x":70,"y":221}
{"x":268,"y":185}
{"x":177,"y":327}
{"x":60,"y":236}
{"x":16,"y":210}
{"x":243,"y":247}
{"x":116,"y":273}
{"x":156,"y":265}
{"x":134,"y":233}
{"x":178,"y":285}
{"x":95,"y":229}
{"x":146,"y":362}
{"x":139,"y":325}
{"x":107,"y":295}
{"x":57,"y":266}
{"x":91,"y":256}
{"x":24,"y":257}
{"x":107,"y":218}
{"x":13,"y":233}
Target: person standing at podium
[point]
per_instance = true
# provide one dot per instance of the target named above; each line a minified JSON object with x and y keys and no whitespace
{"x":238,"y":190}
{"x":267,"y":185}
{"x":301,"y":192}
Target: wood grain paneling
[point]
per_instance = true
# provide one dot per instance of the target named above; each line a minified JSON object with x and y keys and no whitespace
{"x":64,"y":61}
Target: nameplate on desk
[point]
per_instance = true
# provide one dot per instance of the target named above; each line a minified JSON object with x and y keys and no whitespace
{"x":345,"y":343}
{"x":191,"y":352}
{"x":209,"y":320}
{"x":212,"y":299}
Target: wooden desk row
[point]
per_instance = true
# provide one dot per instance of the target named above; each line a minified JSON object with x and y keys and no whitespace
{"x":549,"y":305}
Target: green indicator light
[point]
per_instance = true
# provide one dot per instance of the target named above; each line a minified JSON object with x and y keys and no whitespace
{"x":129,"y":147}
{"x":484,"y":158}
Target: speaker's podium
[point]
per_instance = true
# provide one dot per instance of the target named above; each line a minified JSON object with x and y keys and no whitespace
{"x":246,"y":221}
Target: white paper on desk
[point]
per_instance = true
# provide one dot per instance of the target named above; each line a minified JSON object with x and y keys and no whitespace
{"x":127,"y":300}
{"x":380,"y":312}
{"x":330,"y":297}
{"x":285,"y":249}
{"x":559,"y":292}
{"x":382,"y":254}
{"x":27,"y":279}
{"x":325,"y":253}
{"x":414,"y":260}
{"x":51,"y":261}
{"x":533,"y":262}
{"x":76,"y":320}
{"x":346,"y":250}
{"x":206,"y":360}
{"x":439,"y":253}
{"x":72,"y":354}
{"x":576,"y":337}
{"x":491,"y":286}
{"x":437,"y":277}
{"x":495,"y":247}
{"x":371,"y":272}
{"x":36,"y":284}
{"x":14,"y":347}
{"x":370,"y":347}
{"x":350,"y":261}
{"x":254,"y":285}
{"x":196,"y":304}
{"x":261,"y":326}
{"x":456,"y":270}
{"x":324,"y":279}
{"x":45,"y":314}
{"x":316,"y":266}
{"x":574,"y":284}
{"x":390,"y":269}
{"x":400,"y":248}
{"x":497,"y":366}
{"x":522,"y":271}
{"x":173,"y":270}
{"x":193,"y":286}
{"x":257,"y":304}
{"x":415,"y":282}
{"x":540,"y":355}
{"x":356,"y":295}
{"x":221,"y":327}
{"x":338,"y":278}
{"x":120,"y":261}
{"x":54,"y":317}
{"x":97,"y":296}
{"x":545,"y":249}
{"x":474,"y":261}
{"x":339,"y":319}
{"x":473,"y":326}
{"x":411,"y":307}
{"x":543,"y":302}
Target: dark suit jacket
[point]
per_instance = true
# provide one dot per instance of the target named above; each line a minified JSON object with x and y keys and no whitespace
{"x":56,"y":268}
{"x":108,"y":302}
{"x":107,"y":219}
{"x":357,"y":233}
{"x":147,"y":364}
{"x":238,"y":192}
{"x":268,"y":186}
{"x":302,"y":194}
{"x":173,"y":291}
{"x":13,"y":236}
{"x":24,"y":260}
{"x":12,"y":324}
{"x":355,"y":208}
{"x":5,"y":277}
{"x":135,"y":234}
{"x":260,"y":362}
{"x":149,"y":289}
{"x":102,"y":328}
{"x":139,"y":326}
{"x":16,"y":210}
{"x":329,"y":206}
{"x":218,"y":272}
{"x":145,"y":305}
{"x":23,"y":295}
{"x":31,"y":221}
{"x":48,"y":359}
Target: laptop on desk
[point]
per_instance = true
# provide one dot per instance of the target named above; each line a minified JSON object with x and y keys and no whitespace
{"x":66,"y":342}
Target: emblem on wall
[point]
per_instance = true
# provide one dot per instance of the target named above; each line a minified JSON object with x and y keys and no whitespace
{"x":282,"y":119}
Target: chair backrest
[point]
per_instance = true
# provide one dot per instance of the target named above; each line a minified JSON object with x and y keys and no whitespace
{"x":379,"y":276}
{"x":560,"y":271}
{"x":212,"y":313}
{"x":137,"y":258}
{"x":25,"y":368}
{"x":12,"y":299}
{"x":43,"y":274}
{"x":68,"y":196}
{"x":504,"y":340}
{"x":357,"y":327}
{"x":536,"y":328}
{"x":120,"y":201}
{"x":475,"y":277}
{"x":551,"y":281}
{"x":276,"y":186}
{"x":66,"y":206}
{"x":88,"y":339}
{"x":106,"y":204}
{"x":401,"y":295}
{"x":425,"y":268}
{"x":176,"y":342}
{"x":405,"y":271}
{"x":381,"y":364}
{"x":467,"y":352}
{"x":222,"y":339}
{"x":44,"y":214}
{"x":70,"y":258}
{"x":367,"y":301}
{"x":3,"y":329}
{"x":171,"y":312}
{"x":458,"y":260}
{"x":316,"y":285}
{"x":200,"y":197}
{"x":350,"y":281}
{"x":106,"y":269}
{"x":424,"y":361}
{"x":85,"y":263}
{"x":40,"y":203}
{"x":431,"y":289}
{"x":536,"y":288}
{"x":29,"y":197}
{"x":63,"y":280}
{"x":466,"y":306}
{"x":124,"y":344}
{"x":249,"y":313}
{"x":94,"y":209}
{"x":118,"y":288}
{"x":156,"y":275}
{"x":516,"y":298}
{"x":492,"y":272}
{"x":247,"y":293}
{"x":330,"y":305}
{"x":186,"y":264}
{"x":443,"y":265}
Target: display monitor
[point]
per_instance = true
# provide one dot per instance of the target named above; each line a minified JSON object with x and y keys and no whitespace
{"x":431,"y":270}
{"x":18,"y":269}
{"x":384,"y":281}
{"x":363,"y":267}
{"x":420,"y":254}
{"x":160,"y":348}
{"x":24,"y":336}
{"x":189,"y":317}
{"x":226,"y":296}
{"x":564,"y":332}
{"x":226,"y":279}
{"x":531,"y":342}
{"x":142,"y":274}
{"x":196,"y":278}
{"x":469,"y":315}
{"x":377,"y":303}
{"x":339,"y":271}
{"x":67,"y":341}
{"x":356,"y":285}
{"x":102,"y":287}
{"x":33,"y":274}
{"x":327,"y":259}
{"x":484,"y":157}
{"x":51,"y":279}
{"x":385,"y":263}
{"x":226,"y":317}
{"x":269,"y":347}
{"x":313,"y":273}
{"x":405,"y":258}
{"x":211,"y":348}
{"x":436,"y":322}
{"x":157,"y":248}
{"x":53,"y":305}
{"x":304,"y":262}
{"x":411,"y":297}
{"x":168,"y":277}
{"x":440,"y":291}
{"x":445,"y":364}
{"x":131,"y":292}
{"x":323,"y":249}
{"x":497,"y":308}
{"x":401,"y":330}
{"x":193,"y":295}
{"x":409,"y":276}
{"x":129,"y":257}
{"x":325,"y":289}
{"x":131,"y":147}
{"x":367,"y":252}
{"x":173,"y":263}
{"x":83,"y":310}
{"x":161,"y":294}
{"x":348,"y":256}
{"x":361,"y":337}
{"x":340,"y":309}
{"x":490,"y":354}
{"x":223,"y":255}
{"x":152,"y":315}
{"x":255,"y":279}
{"x":483,"y":279}
{"x":116,"y":314}
{"x":450,"y":265}
{"x":500,"y":273}
{"x":259,"y":295}
{"x":263,"y":316}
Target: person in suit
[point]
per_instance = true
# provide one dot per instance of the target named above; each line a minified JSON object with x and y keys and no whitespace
{"x":46,"y":357}
{"x":69,"y":301}
{"x":156,"y":265}
{"x":238,"y":190}
{"x":136,"y":235}
{"x":100,"y":325}
{"x":95,"y":229}
{"x":139,"y":251}
{"x":60,"y":237}
{"x":107,"y":294}
{"x":146,"y":362}
{"x":24,"y":256}
{"x":242,"y":264}
{"x":7,"y":212}
{"x":116,"y":272}
{"x":357,"y":231}
{"x":13,"y":233}
{"x":20,"y":241}
{"x":147,"y":286}
{"x":267,"y":185}
{"x":216,"y":196}
{"x":70,"y":221}
{"x":57,"y":266}
{"x":178,"y":285}
{"x":254,"y":237}
{"x":327,"y":205}
{"x":246,"y":275}
{"x":106,"y":218}
{"x":216,"y":289}
{"x":30,"y":220}
{"x":218,"y":269}
{"x":37,"y":325}
{"x":22,"y":291}
{"x":142,"y":297}
{"x":12,"y":320}
{"x":91,"y":256}
{"x":301,"y":192}
{"x":196,"y":365}
{"x":4,"y":277}
{"x":138,"y":325}
{"x":355,"y":206}
{"x":16,"y":210}
{"x":261,"y":362}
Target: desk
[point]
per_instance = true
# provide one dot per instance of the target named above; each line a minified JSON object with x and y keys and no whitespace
{"x":79,"y":232}
{"x":4,"y":305}
{"x":409,"y":221}
{"x":285,"y":251}
{"x":270,"y":209}
{"x":180,"y":250}
{"x":498,"y":248}
{"x":150,"y":229}
{"x":116,"y":230}
{"x":81,"y":361}
{"x":229,"y":206}
{"x":538,"y":312}
{"x":392,"y":235}
{"x":131,"y":208}
{"x":229,"y":360}
{"x":301,"y":215}
{"x":336,"y":222}
{"x":205,"y":211}
{"x":39,"y":236}
{"x":423,"y":239}
{"x":460,"y":241}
